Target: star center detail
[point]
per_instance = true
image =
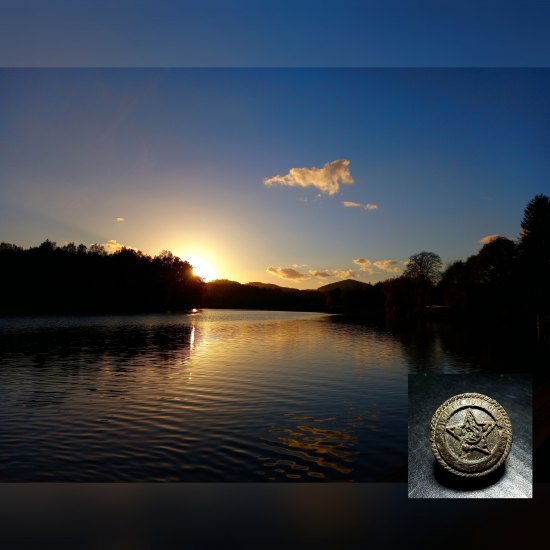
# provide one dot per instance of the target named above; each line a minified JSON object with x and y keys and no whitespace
{"x":472,"y":434}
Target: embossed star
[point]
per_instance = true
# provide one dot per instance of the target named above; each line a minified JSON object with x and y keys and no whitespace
{"x":472,"y":434}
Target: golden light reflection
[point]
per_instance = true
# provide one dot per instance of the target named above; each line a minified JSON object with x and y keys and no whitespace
{"x":192,"y":338}
{"x":315,"y":450}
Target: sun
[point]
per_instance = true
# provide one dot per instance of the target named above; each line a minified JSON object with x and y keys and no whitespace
{"x":202,"y":268}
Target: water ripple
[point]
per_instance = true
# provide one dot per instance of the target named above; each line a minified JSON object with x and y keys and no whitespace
{"x":221,"y":396}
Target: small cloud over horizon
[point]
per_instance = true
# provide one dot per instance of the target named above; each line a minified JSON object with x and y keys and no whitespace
{"x":326,"y":179}
{"x":488,"y":239}
{"x":113,"y":246}
{"x":301,"y":272}
{"x":291,"y":273}
{"x":319,"y":274}
{"x":364,"y":265}
{"x":288,"y":273}
{"x":346,"y":274}
{"x":367,"y":206}
{"x":120,"y":219}
{"x":388,"y":266}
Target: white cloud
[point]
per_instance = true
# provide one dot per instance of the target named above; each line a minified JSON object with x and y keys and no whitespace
{"x":488,"y":239}
{"x":345,"y":274}
{"x":367,"y":206}
{"x":327,"y":179}
{"x":288,"y":273}
{"x":293,"y":274}
{"x":113,"y":246}
{"x":319,"y":274}
{"x":120,"y":219}
{"x":364,"y":265}
{"x":390,"y":266}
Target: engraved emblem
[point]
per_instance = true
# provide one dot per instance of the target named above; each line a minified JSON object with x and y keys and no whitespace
{"x":471,"y":435}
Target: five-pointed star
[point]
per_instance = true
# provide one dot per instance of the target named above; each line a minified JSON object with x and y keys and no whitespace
{"x":472,"y":434}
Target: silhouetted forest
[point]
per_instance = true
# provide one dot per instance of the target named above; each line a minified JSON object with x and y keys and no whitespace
{"x":505,"y":280}
{"x":76,"y":279}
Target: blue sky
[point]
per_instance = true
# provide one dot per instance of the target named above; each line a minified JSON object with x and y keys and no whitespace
{"x":269,"y":33}
{"x":443,"y":158}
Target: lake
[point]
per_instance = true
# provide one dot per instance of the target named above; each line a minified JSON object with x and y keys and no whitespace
{"x":220,"y":395}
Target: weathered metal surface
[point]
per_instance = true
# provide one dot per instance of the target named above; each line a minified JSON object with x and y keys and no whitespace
{"x":471,"y":435}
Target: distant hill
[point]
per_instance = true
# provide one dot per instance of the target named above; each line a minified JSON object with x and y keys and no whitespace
{"x":223,"y":293}
{"x":350,"y":284}
{"x":222,"y":282}
{"x":254,"y":284}
{"x":273,"y":287}
{"x":352,"y":297}
{"x":346,"y":283}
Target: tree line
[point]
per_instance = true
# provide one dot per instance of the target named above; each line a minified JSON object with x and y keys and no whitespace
{"x":505,"y":280}
{"x":72,"y":279}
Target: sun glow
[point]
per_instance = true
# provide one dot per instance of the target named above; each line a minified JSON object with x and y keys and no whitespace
{"x":202,"y":268}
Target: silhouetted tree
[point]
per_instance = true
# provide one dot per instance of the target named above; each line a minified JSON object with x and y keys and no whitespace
{"x":535,"y":259}
{"x":424,"y":265}
{"x":535,"y":226}
{"x":456,"y":284}
{"x":402,"y":298}
{"x":496,"y":261}
{"x":422,"y":272}
{"x":69,"y":247}
{"x":47,"y":246}
{"x":9,"y":248}
{"x":486,"y":283}
{"x":97,"y":248}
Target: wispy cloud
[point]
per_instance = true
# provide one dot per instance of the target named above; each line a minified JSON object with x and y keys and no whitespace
{"x":390,"y":266}
{"x":120,"y":219}
{"x":288,"y":273}
{"x":293,"y":274}
{"x":367,"y":206}
{"x":345,"y":274}
{"x":364,"y":265}
{"x":319,"y":274}
{"x":368,"y":266}
{"x":488,"y":239}
{"x":327,"y":179}
{"x":298,"y":271}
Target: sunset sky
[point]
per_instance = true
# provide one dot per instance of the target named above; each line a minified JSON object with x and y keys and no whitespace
{"x":296,"y":177}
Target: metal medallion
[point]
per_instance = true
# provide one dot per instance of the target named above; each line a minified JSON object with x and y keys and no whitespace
{"x":471,"y":435}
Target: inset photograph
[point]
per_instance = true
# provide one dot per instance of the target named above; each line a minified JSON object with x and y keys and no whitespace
{"x":470,"y":436}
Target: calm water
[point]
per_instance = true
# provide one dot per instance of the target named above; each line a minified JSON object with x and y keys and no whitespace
{"x":214,"y":396}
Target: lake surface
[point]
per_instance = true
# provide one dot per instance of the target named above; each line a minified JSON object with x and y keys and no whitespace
{"x":220,"y":395}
